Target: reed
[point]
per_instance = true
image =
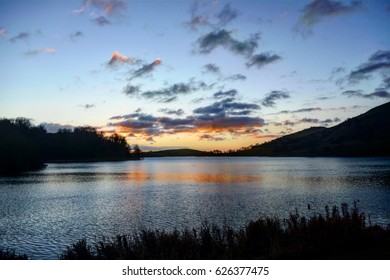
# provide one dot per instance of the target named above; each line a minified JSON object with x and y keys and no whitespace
{"x":341,"y":233}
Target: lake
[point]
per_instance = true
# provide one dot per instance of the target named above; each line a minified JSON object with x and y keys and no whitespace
{"x":44,"y":211}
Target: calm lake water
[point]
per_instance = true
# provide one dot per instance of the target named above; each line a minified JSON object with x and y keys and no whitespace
{"x":42,"y":212}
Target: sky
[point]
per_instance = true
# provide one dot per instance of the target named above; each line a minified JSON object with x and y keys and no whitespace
{"x":193,"y":74}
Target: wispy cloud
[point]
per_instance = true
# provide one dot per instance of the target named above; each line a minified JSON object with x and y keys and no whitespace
{"x":269,"y":99}
{"x":303,"y":110}
{"x":147,"y":68}
{"x":210,"y":137}
{"x":87,"y":106}
{"x":198,"y":18}
{"x":170,"y":93}
{"x":262,"y":59}
{"x":20,"y":36}
{"x":227,"y":15}
{"x":40,"y":51}
{"x":236,"y":77}
{"x":319,"y":10}
{"x":2,"y":32}
{"x":101,"y":20}
{"x":178,"y":112}
{"x":224,"y":94}
{"x":379,"y":93}
{"x":76,"y":35}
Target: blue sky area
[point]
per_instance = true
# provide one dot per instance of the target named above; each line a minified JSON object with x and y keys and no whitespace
{"x":199,"y":74}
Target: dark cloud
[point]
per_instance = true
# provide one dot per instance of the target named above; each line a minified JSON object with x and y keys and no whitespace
{"x":20,"y":36}
{"x":75,"y":35}
{"x":378,"y":62}
{"x":224,"y":94}
{"x":227,"y":15}
{"x":210,"y":137}
{"x":131,"y":90}
{"x":262,"y":59}
{"x":303,"y":110}
{"x":379,"y":93}
{"x":223,"y":38}
{"x":102,"y":21}
{"x":211,"y":68}
{"x":147,"y":68}
{"x":318,"y":10}
{"x":87,"y":106}
{"x":236,"y":77}
{"x":170,"y":93}
{"x":177,"y":112}
{"x":269,"y":100}
{"x":226,"y":106}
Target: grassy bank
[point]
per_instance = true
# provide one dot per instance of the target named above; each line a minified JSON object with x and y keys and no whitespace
{"x":339,"y":233}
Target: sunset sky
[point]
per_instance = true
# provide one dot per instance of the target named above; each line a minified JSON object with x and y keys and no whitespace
{"x":198,"y":74}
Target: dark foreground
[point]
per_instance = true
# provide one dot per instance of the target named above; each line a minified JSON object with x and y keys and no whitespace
{"x":339,"y":234}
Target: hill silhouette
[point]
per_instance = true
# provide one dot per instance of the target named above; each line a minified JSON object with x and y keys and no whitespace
{"x":365,"y":135}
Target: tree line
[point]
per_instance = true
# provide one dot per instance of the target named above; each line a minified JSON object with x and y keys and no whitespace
{"x":24,"y":146}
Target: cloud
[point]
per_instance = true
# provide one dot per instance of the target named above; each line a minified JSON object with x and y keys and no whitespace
{"x":101,"y":21}
{"x":210,"y":137}
{"x":147,"y":68}
{"x":2,"y":32}
{"x":318,"y":10}
{"x":224,"y":94}
{"x":87,"y":106}
{"x":227,"y":106}
{"x":107,"y":6}
{"x":303,"y":110}
{"x":75,"y":35}
{"x":269,"y":100}
{"x":211,"y":68}
{"x":379,"y":93}
{"x":236,"y":77}
{"x":177,"y":112}
{"x":40,"y":51}
{"x":198,"y":19}
{"x":20,"y":36}
{"x":118,"y":59}
{"x":170,"y":93}
{"x":377,"y":62}
{"x":227,"y":15}
{"x":223,"y":38}
{"x":262,"y":59}
{"x":131,"y":90}
{"x":205,"y":121}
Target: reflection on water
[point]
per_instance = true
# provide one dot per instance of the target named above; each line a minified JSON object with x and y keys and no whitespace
{"x":42,"y":212}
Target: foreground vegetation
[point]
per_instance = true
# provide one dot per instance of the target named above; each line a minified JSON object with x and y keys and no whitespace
{"x":339,"y":234}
